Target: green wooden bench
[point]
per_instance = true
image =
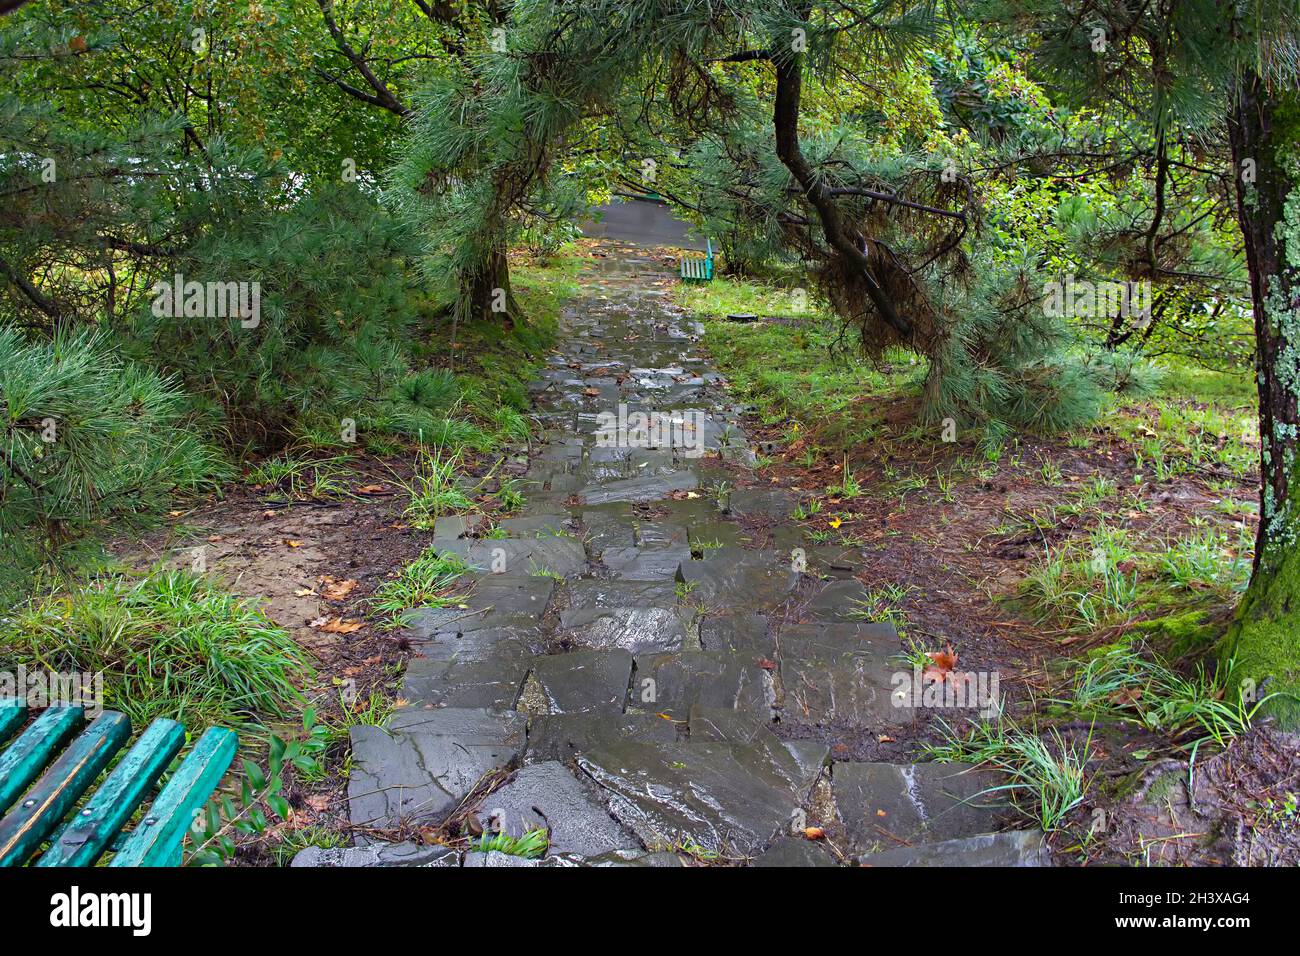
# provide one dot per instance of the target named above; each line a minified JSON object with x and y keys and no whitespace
{"x":696,"y":269}
{"x":78,"y":832}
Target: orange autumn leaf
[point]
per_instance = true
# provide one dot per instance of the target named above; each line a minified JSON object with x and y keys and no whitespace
{"x":942,"y":664}
{"x":814,"y":833}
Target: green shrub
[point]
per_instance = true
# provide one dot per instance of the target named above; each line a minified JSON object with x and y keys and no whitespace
{"x":88,"y":439}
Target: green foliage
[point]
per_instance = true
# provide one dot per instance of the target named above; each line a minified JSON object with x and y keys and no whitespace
{"x":531,"y":846}
{"x":260,"y":798}
{"x":87,"y":439}
{"x":1120,"y":682}
{"x":169,"y":645}
{"x":1045,"y":772}
{"x":422,"y":583}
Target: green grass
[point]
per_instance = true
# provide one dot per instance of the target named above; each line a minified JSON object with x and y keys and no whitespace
{"x":1121,"y":682}
{"x":1045,"y":773}
{"x":422,"y":583}
{"x":291,"y":477}
{"x":531,"y":846}
{"x":170,"y":644}
{"x":801,"y":373}
{"x":435,"y":487}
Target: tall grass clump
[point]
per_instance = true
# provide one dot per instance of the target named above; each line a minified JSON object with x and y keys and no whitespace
{"x":168,"y":645}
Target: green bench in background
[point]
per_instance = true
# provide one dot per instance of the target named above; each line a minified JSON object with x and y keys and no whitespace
{"x":80,"y":831}
{"x":695,"y":269}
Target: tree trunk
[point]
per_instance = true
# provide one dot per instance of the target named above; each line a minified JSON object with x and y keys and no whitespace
{"x":485,"y":291}
{"x":785,"y":123}
{"x":1263,"y":642}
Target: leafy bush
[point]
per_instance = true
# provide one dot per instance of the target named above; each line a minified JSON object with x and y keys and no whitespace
{"x":87,"y":439}
{"x":168,"y":645}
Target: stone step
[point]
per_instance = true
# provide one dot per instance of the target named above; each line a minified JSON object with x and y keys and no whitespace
{"x":426,"y":761}
{"x":883,"y":806}
{"x":729,"y":799}
{"x":1011,"y":848}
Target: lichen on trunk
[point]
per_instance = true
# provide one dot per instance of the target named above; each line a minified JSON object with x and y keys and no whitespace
{"x":1262,"y":646}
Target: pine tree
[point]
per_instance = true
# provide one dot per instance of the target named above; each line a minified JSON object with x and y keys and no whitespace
{"x":1203,"y":65}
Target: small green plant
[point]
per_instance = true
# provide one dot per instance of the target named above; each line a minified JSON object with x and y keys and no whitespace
{"x":807,"y":509}
{"x":434,"y":489}
{"x":422,"y":583}
{"x":1045,"y":773}
{"x":882,"y":605}
{"x":260,"y":793}
{"x":848,"y":486}
{"x":531,"y":846}
{"x":1189,"y":709}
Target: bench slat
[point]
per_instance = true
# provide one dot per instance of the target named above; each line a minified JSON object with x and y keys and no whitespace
{"x":12,"y":715}
{"x":157,"y":840}
{"x":23,"y":829}
{"x":88,"y":834}
{"x":27,"y":756}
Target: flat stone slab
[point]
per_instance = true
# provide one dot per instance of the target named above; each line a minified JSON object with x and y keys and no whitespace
{"x":1013,"y":848}
{"x":837,"y":601}
{"x":493,"y":683}
{"x":377,"y":854}
{"x":885,"y":805}
{"x":636,"y":629}
{"x":522,"y":593}
{"x":762,"y":502}
{"x":739,"y":631}
{"x":647,"y":488}
{"x":539,"y":526}
{"x":609,"y":526}
{"x":738,"y":578}
{"x":582,"y":681}
{"x":548,"y":796}
{"x":727,"y":799}
{"x":795,"y":851}
{"x":716,"y":680}
{"x":840,"y":673}
{"x":426,"y":762}
{"x":564,"y":736}
{"x":645,"y":564}
{"x":523,"y":556}
{"x":596,"y":592}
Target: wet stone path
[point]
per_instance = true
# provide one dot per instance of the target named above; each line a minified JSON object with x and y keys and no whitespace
{"x":634,"y":637}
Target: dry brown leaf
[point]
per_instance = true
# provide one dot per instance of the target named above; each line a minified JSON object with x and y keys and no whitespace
{"x":371,"y":490}
{"x":814,"y":833}
{"x":337,"y":625}
{"x":337,"y":590}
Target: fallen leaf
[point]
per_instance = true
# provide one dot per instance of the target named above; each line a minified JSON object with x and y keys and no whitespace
{"x":337,"y":625}
{"x":269,"y":514}
{"x":884,"y":739}
{"x":371,"y":490}
{"x":319,"y":802}
{"x":337,"y":590}
{"x":835,"y":522}
{"x":304,"y":592}
{"x":814,"y":833}
{"x":881,"y":813}
{"x":942,"y":664}
{"x":293,"y":543}
{"x":215,"y":537}
{"x":765,"y":664}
